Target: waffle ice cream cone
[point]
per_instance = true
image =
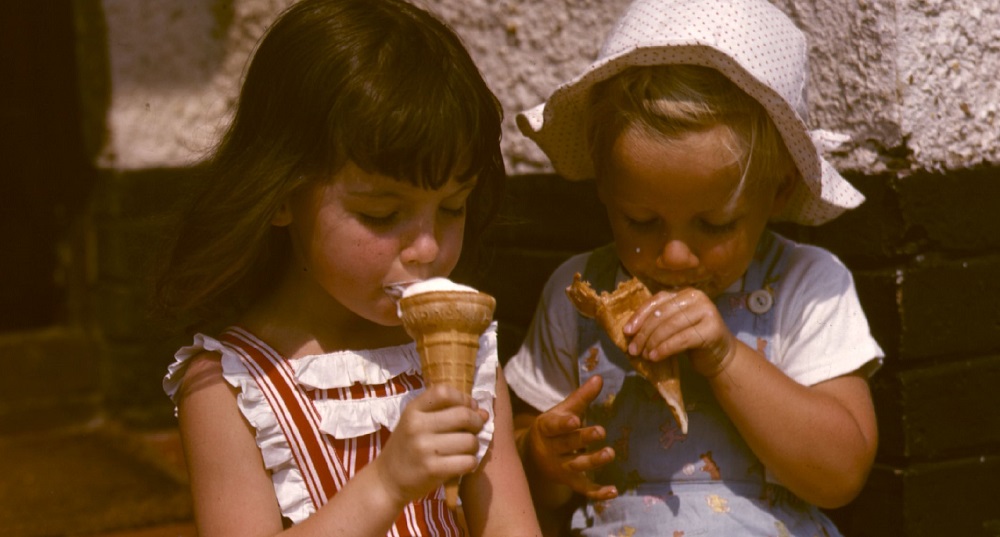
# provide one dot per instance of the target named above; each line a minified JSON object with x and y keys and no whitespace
{"x":446,"y":326}
{"x":612,"y":311}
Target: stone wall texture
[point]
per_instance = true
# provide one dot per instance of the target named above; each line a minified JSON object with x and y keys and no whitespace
{"x":913,"y":83}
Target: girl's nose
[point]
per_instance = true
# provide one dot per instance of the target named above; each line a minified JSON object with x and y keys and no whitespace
{"x":423,"y":246}
{"x":676,"y":255}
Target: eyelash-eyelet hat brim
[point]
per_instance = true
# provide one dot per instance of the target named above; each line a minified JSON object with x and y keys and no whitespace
{"x":752,"y":43}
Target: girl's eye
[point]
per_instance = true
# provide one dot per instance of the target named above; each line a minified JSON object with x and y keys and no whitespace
{"x":378,"y":219}
{"x":454,"y":212}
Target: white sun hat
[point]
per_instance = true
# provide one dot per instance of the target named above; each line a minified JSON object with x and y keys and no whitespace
{"x":752,"y":43}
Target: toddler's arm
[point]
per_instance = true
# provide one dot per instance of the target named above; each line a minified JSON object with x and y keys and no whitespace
{"x":819,"y":441}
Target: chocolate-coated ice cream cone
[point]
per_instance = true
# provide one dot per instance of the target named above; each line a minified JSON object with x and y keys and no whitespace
{"x":446,"y":326}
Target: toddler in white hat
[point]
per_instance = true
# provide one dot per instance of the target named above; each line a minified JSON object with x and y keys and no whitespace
{"x":692,"y":124}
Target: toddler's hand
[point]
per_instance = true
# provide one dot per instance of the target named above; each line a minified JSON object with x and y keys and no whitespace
{"x":435,"y":440}
{"x":685,"y":320}
{"x":556,"y":444}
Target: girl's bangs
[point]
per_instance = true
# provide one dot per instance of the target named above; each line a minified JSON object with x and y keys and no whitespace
{"x":447,"y":133}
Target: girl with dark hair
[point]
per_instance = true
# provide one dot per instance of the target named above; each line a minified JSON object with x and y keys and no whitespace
{"x":364,"y":151}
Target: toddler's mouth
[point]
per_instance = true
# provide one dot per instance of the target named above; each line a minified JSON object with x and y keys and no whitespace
{"x":657,"y":286}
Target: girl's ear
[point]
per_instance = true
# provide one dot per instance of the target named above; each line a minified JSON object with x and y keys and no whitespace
{"x":784,"y":192}
{"x":283,"y":216}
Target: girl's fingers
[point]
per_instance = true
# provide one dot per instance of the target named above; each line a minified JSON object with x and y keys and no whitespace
{"x":442,"y":396}
{"x":457,"y":418}
{"x":452,"y":444}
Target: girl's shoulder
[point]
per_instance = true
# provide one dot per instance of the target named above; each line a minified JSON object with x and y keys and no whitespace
{"x":206,"y":359}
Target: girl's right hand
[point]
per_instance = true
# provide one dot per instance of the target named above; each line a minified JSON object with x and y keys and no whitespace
{"x":435,"y":440}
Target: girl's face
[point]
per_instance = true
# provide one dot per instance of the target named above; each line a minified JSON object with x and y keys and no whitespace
{"x":360,"y":232}
{"x":673,"y":212}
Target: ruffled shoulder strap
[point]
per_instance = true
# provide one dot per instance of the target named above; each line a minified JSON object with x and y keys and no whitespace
{"x":289,"y":482}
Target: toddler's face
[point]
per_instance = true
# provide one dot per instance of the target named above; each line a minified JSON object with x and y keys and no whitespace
{"x":356,"y":234}
{"x":673,"y":212}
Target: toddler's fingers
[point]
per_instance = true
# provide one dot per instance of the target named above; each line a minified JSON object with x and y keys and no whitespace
{"x":597,"y":492}
{"x":653,"y":307}
{"x":551,"y":425}
{"x":582,"y":484}
{"x":577,"y":402}
{"x":586,"y":462}
{"x":576,"y":440}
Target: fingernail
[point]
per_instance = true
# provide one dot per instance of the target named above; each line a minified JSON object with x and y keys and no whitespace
{"x":633,"y":349}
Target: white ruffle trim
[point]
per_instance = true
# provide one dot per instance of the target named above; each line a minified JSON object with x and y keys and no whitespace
{"x":341,"y":418}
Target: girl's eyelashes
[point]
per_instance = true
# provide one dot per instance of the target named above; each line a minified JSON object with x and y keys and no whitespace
{"x":382,"y":219}
{"x":378,"y":220}
{"x":454,"y":212}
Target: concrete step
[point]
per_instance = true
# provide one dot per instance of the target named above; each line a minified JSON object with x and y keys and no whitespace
{"x":97,"y":480}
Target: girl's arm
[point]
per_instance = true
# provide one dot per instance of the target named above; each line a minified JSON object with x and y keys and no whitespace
{"x":231,"y":490}
{"x":495,"y":497}
{"x":819,"y":441}
{"x":233,"y":493}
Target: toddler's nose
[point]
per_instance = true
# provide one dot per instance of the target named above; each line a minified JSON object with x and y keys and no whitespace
{"x":676,"y":255}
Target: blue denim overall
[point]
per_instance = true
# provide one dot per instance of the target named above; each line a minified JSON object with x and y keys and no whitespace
{"x":706,"y":482}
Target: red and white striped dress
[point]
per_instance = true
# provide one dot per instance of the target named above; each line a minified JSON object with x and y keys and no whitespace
{"x":320,"y":419}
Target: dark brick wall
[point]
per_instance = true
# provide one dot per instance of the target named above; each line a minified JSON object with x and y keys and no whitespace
{"x":132,"y":214}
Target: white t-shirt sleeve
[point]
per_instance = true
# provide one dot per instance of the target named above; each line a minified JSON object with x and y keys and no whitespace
{"x":822,"y":331}
{"x":544,"y":370}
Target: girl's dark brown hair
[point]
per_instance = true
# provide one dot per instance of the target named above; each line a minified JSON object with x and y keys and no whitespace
{"x":380,"y":83}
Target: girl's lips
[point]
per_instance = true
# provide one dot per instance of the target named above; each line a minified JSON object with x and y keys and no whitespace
{"x":395,"y":290}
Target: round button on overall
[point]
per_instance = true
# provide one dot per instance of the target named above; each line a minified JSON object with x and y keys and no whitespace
{"x":760,"y":301}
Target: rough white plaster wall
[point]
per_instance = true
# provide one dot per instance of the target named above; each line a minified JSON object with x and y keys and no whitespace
{"x":175,"y":67}
{"x":525,"y":49}
{"x":914,"y":83}
{"x":949,"y":78}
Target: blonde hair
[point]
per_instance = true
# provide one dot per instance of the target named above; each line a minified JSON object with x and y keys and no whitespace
{"x":669,"y":101}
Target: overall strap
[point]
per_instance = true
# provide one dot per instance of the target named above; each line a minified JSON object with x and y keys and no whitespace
{"x":322,"y":470}
{"x":600,"y":271}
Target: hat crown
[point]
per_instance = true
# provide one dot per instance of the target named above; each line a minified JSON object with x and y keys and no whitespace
{"x":753,"y":33}
{"x":751,"y":42}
